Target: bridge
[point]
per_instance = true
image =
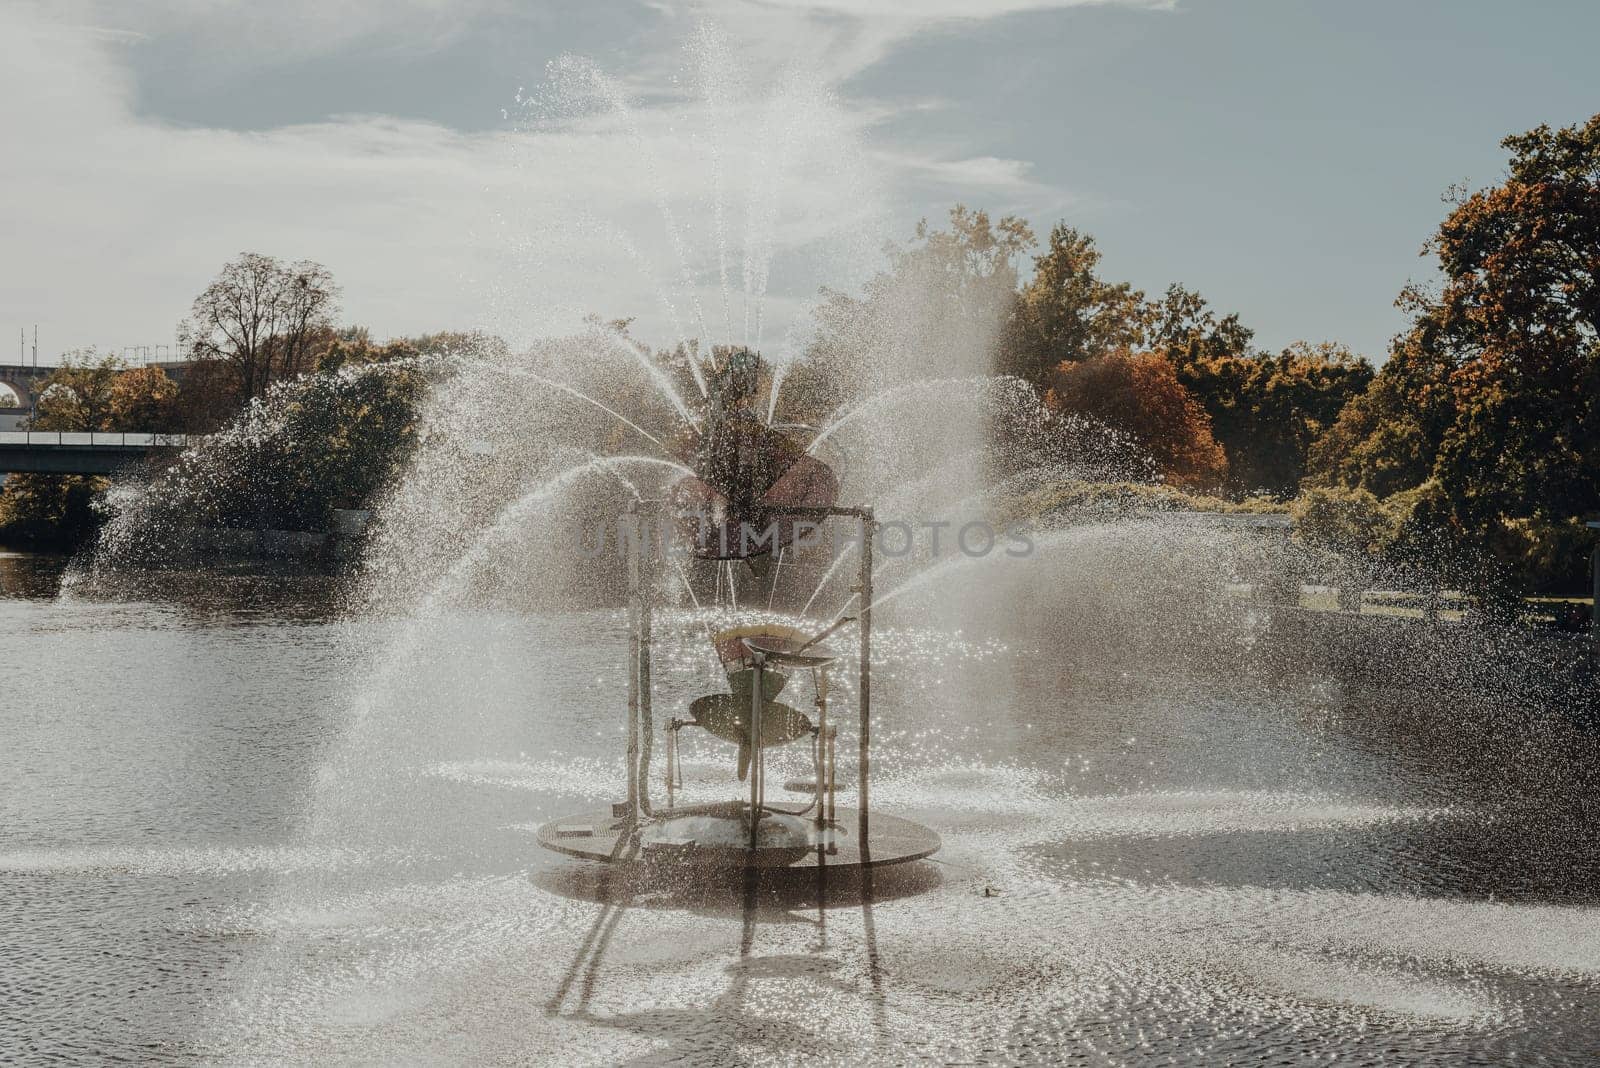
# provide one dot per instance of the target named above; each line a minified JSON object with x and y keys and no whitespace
{"x":52,"y":452}
{"x":26,"y":379}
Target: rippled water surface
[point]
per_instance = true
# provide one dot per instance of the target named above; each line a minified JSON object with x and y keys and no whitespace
{"x":241,"y":827}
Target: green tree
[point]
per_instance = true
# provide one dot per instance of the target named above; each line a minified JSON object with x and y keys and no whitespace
{"x":1067,"y":313}
{"x":1269,"y":411}
{"x":1518,"y":318}
{"x":58,"y":510}
{"x":328,"y":440}
{"x":49,"y":511}
{"x":1350,"y":521}
{"x":1386,"y":439}
{"x":1183,"y":328}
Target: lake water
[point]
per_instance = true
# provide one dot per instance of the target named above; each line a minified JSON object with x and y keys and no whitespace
{"x":241,"y":826}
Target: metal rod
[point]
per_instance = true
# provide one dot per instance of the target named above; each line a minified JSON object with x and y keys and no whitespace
{"x":822,"y":635}
{"x":633,"y":675}
{"x":777,"y":573}
{"x":869,"y":529}
{"x":755,"y":745}
{"x":1594,"y":615}
{"x":672,"y":763}
{"x":647,"y":583}
{"x":833,"y":777}
{"x":823,"y":774}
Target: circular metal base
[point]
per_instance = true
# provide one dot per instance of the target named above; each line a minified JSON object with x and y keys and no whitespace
{"x":717,"y":836}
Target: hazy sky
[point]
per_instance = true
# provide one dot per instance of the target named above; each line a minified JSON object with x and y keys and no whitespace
{"x":1284,"y":157}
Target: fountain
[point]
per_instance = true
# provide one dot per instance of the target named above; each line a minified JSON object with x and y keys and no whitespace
{"x":495,"y":805}
{"x":750,"y":491}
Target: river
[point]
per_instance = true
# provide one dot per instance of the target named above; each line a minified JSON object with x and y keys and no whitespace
{"x":242,"y":825}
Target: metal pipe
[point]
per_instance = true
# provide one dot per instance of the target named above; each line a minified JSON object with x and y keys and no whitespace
{"x":647,"y":575}
{"x":823,"y":635}
{"x":755,"y":745}
{"x":869,"y":530}
{"x":833,"y":777}
{"x":1594,"y":613}
{"x":822,"y":742}
{"x":633,"y":675}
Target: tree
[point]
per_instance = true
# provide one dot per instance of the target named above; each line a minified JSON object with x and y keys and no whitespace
{"x":78,"y":394}
{"x":58,"y":510}
{"x":1386,"y":439}
{"x":1494,"y":392}
{"x":1066,"y":313}
{"x":1183,"y":328}
{"x":937,"y":311}
{"x":319,"y":442}
{"x":1348,"y":521}
{"x":1269,"y":411}
{"x":1518,"y":319}
{"x":1139,"y":394}
{"x":51,"y":511}
{"x":144,"y":401}
{"x":262,"y":318}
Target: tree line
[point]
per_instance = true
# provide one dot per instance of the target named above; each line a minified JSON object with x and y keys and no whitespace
{"x":1474,"y":440}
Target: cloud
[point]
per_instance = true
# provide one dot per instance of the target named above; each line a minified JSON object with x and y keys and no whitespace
{"x":709,"y":189}
{"x":233,"y":31}
{"x":933,"y":10}
{"x":981,"y":174}
{"x":590,"y":204}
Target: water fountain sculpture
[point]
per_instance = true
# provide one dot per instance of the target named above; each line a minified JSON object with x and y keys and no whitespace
{"x":753,"y":492}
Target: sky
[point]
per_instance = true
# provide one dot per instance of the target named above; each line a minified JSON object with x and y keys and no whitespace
{"x":705,"y":167}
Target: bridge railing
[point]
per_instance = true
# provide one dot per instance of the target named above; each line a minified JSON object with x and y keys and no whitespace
{"x":104,"y":438}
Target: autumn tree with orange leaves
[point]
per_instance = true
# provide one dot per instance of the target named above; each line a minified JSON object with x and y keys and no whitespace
{"x":1498,"y":379}
{"x":1139,"y":393}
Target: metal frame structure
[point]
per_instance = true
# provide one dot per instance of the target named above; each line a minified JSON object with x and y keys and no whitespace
{"x":643,"y":555}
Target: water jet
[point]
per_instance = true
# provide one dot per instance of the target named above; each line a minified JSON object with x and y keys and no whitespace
{"x":747,"y":476}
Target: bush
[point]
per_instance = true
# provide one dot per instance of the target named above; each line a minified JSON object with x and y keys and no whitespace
{"x":1345,"y":521}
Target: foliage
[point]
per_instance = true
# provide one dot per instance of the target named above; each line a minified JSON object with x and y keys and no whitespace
{"x":1183,"y":328}
{"x":1123,"y":498}
{"x":1066,"y":313}
{"x":1139,"y":393}
{"x":1265,"y":411}
{"x":77,"y":396}
{"x":1268,"y":412}
{"x":144,"y":401}
{"x":1343,"y":520}
{"x":263,"y":319}
{"x":49,"y":511}
{"x":1494,"y":392}
{"x":323,"y":441}
{"x":89,"y":392}
{"x":1385,"y":439}
{"x":354,"y":347}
